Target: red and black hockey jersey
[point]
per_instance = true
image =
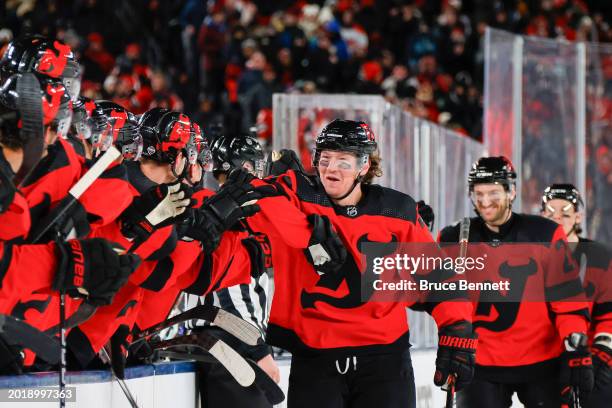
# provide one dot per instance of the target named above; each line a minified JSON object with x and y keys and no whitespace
{"x":519,"y":341}
{"x":314,"y":313}
{"x":595,"y":262}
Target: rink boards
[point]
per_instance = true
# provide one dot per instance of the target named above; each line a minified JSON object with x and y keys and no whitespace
{"x":174,"y":385}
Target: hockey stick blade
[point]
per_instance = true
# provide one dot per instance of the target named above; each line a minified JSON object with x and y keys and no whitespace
{"x":239,"y":328}
{"x":19,"y":333}
{"x":30,"y":111}
{"x":233,"y":362}
{"x":274,"y":394}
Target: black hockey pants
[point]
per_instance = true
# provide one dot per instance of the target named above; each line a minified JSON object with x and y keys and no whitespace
{"x":380,"y":381}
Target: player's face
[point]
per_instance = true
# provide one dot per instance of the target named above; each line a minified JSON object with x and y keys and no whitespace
{"x":563,"y":213}
{"x":492,"y":202}
{"x":338,"y":171}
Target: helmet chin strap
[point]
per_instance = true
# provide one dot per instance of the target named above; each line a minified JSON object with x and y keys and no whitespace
{"x":573,"y":230}
{"x":355,"y":183}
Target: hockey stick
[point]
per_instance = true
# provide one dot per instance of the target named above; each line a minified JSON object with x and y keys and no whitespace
{"x":16,"y":332}
{"x":82,"y":314}
{"x":31,"y":114}
{"x":62,"y":372}
{"x":274,"y":394}
{"x":232,"y":324}
{"x":233,"y":362}
{"x":575,"y":398}
{"x":464,"y":234}
{"x":126,"y":391}
{"x":450,"y":391}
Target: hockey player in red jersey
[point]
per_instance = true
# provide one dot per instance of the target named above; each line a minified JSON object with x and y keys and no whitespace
{"x":535,"y":349}
{"x":349,"y":351}
{"x":563,"y":204}
{"x":147,"y":225}
{"x":248,"y":300}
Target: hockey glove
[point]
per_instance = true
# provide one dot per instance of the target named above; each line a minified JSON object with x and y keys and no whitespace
{"x":92,"y":269}
{"x":602,"y":360}
{"x":200,"y":227}
{"x":283,"y":161}
{"x":456,"y":354}
{"x":7,"y":188}
{"x":158,"y":207}
{"x":576,"y":373}
{"x":325,"y":251}
{"x":426,"y":213}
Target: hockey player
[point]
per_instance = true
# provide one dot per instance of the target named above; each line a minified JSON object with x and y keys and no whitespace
{"x":347,"y":351}
{"x":147,"y":225}
{"x":535,"y":349}
{"x":248,"y":301}
{"x":563,"y":204}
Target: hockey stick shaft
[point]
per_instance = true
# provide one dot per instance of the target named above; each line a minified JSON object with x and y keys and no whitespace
{"x":62,"y":372}
{"x":124,"y":388}
{"x":450,"y":392}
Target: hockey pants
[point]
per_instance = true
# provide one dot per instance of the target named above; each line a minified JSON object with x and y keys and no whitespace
{"x":381,"y":381}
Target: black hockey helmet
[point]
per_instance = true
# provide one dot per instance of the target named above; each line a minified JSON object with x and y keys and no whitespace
{"x":567,"y":192}
{"x":116,"y":126}
{"x":36,"y":53}
{"x":198,"y":156}
{"x":347,"y":136}
{"x":496,"y":170}
{"x":56,"y":103}
{"x":233,"y":152}
{"x":87,"y":118}
{"x":165,"y":134}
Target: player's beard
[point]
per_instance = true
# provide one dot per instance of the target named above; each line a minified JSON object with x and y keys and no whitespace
{"x":496,"y":213}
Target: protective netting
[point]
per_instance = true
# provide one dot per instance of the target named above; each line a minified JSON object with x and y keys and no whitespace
{"x":548,"y":106}
{"x":420,"y":158}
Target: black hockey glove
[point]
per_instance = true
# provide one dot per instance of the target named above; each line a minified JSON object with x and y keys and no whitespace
{"x":282,"y":161}
{"x":325,"y":251}
{"x":426,"y":213}
{"x":92,"y":269}
{"x":158,"y":207}
{"x":199,"y":226}
{"x":7,"y":188}
{"x":456,"y":354}
{"x":602,"y":361}
{"x":576,"y":373}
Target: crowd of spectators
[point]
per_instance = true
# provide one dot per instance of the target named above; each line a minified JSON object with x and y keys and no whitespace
{"x":222,"y":60}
